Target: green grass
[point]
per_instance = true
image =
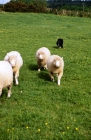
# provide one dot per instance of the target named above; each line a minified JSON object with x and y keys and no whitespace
{"x":38,"y":108}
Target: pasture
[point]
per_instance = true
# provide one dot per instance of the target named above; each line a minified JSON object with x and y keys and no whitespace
{"x":39,"y":109}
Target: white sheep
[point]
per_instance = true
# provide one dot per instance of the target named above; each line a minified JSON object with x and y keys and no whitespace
{"x":55,"y":65}
{"x":16,"y":61}
{"x":42,"y":56}
{"x":6,"y":77}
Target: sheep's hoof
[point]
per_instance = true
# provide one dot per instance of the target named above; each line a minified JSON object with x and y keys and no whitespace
{"x":9,"y":95}
{"x":17,"y":84}
{"x":59,"y":84}
{"x":38,"y":70}
{"x":45,"y":68}
{"x":52,"y":79}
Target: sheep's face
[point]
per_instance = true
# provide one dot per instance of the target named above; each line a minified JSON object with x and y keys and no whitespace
{"x":41,"y":56}
{"x":56,"y":63}
{"x":12,"y":60}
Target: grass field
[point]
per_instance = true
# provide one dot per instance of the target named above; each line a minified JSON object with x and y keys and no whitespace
{"x":38,"y":108}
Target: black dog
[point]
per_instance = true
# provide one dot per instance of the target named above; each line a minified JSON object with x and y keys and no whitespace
{"x":60,"y":43}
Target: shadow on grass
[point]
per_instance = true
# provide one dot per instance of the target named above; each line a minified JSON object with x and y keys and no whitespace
{"x":44,"y":75}
{"x":33,"y":67}
{"x":4,"y":93}
{"x":55,"y":47}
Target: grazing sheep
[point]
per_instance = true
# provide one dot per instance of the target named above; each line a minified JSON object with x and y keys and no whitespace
{"x":16,"y":61}
{"x":60,"y":43}
{"x":6,"y":77}
{"x":42,"y":56}
{"x":55,"y":65}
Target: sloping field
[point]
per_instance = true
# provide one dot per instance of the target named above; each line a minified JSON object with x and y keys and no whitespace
{"x":39,"y":109}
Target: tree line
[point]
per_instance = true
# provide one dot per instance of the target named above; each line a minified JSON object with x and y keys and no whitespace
{"x":43,"y":6}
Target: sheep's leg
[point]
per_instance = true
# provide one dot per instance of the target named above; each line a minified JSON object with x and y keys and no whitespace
{"x":16,"y":77}
{"x":0,"y":91}
{"x":45,"y":67}
{"x":51,"y":75}
{"x":9,"y":90}
{"x":59,"y":77}
{"x":16,"y":80}
{"x":38,"y":68}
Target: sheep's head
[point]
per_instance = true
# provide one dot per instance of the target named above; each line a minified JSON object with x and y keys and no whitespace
{"x":56,"y":62}
{"x":41,"y":55}
{"x":12,"y":60}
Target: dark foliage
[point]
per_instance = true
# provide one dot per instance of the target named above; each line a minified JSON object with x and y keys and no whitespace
{"x":15,"y":6}
{"x":23,"y":7}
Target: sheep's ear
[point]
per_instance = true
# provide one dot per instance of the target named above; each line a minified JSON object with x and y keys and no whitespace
{"x":8,"y":54}
{"x":7,"y":57}
{"x":16,"y":56}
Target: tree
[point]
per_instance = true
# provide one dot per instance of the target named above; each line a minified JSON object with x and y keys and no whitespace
{"x":39,"y":2}
{"x":34,"y":2}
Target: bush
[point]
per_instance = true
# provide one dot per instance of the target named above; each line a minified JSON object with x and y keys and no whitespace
{"x":36,"y":8}
{"x":23,"y":7}
{"x":15,"y":7}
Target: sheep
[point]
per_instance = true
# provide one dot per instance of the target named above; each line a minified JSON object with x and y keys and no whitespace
{"x":16,"y":61}
{"x":6,"y":77}
{"x":60,"y":43}
{"x":55,"y":65}
{"x":42,"y":56}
